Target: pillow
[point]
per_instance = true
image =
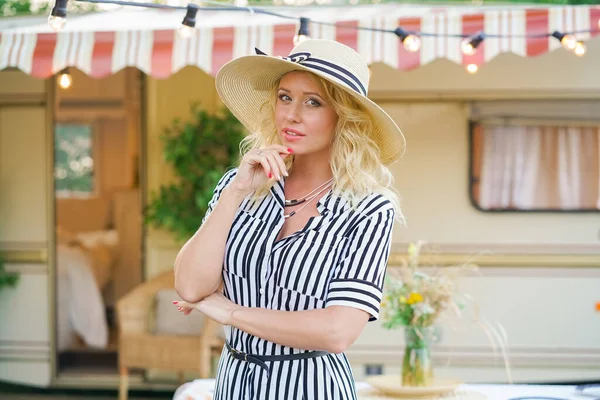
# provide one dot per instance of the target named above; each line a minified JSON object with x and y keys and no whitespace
{"x":167,"y":320}
{"x":65,"y":236}
{"x":109,"y":238}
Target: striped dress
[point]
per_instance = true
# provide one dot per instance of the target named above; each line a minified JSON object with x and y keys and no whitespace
{"x":338,"y":258}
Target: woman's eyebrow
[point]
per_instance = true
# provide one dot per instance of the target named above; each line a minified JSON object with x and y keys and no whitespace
{"x":309,"y":93}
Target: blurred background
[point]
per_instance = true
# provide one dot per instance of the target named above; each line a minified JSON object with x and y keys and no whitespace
{"x":112,"y":137}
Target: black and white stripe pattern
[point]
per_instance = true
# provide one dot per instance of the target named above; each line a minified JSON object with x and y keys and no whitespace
{"x":341,"y":74}
{"x":338,"y":259}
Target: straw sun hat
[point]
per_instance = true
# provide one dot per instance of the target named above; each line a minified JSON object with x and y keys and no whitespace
{"x":246,"y":83}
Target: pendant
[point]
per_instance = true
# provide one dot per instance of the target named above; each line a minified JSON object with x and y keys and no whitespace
{"x":294,"y":202}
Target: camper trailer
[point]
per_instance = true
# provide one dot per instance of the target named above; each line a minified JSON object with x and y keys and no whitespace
{"x":502,"y":169}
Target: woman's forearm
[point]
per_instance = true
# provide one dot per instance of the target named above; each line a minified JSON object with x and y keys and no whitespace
{"x":199,"y":263}
{"x":329,"y":329}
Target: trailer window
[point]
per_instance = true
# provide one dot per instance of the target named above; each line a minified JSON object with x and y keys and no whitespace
{"x":535,"y":167}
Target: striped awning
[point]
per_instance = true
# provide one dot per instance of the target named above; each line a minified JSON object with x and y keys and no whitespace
{"x":103,"y":43}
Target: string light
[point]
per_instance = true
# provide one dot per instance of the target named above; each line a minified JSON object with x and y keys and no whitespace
{"x":303,"y":33}
{"x":472,"y":68}
{"x":470,"y":44}
{"x":64,"y":79}
{"x":568,"y":41}
{"x":410,"y":41}
{"x":188,"y":25}
{"x":58,"y":16}
{"x":580,"y":48}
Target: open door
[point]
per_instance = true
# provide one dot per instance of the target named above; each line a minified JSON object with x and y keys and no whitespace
{"x":26,"y":229}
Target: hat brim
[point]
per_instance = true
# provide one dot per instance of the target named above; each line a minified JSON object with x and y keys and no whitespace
{"x":246,"y":83}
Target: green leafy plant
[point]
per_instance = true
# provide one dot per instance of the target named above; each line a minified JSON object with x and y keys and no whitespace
{"x":200,"y":151}
{"x":7,"y":279}
{"x":9,"y":8}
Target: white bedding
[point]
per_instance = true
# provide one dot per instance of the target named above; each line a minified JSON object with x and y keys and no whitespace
{"x":81,"y":273}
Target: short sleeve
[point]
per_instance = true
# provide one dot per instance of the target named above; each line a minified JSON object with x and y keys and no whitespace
{"x":358,"y":278}
{"x":221,"y":185}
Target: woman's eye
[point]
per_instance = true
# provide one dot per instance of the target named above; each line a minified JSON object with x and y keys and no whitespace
{"x":284,"y":97}
{"x":314,"y":102}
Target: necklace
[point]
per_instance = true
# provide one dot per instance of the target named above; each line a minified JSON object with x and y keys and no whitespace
{"x":295,"y":202}
{"x":307,"y":201}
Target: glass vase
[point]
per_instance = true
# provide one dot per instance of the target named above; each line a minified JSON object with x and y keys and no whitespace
{"x":417,"y":369}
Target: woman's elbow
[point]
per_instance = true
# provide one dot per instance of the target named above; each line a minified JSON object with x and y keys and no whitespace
{"x":187,"y":294}
{"x":344,"y":328}
{"x":339,"y":339}
{"x":185,"y":290}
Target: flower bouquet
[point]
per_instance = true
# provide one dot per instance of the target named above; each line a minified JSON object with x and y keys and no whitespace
{"x":415,"y":300}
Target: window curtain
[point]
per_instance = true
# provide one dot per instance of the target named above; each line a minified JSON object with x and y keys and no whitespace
{"x":540,"y":167}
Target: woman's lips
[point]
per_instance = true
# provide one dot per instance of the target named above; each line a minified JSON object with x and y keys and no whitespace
{"x":292,"y":138}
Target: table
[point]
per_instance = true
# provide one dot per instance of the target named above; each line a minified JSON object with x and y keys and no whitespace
{"x":201,"y":389}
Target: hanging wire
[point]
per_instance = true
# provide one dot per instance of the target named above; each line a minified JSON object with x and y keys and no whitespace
{"x":255,"y":10}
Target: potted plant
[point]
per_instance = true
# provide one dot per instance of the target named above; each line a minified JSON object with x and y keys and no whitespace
{"x":414,"y":300}
{"x":200,"y":151}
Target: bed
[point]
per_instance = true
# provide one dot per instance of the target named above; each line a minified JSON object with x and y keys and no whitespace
{"x":98,"y":246}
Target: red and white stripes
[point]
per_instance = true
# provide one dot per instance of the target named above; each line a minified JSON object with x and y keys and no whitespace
{"x":162,"y":52}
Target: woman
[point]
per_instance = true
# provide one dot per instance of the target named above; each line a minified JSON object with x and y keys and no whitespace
{"x":299,"y":234}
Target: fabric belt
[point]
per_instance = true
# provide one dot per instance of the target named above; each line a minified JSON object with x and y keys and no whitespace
{"x":261,"y":360}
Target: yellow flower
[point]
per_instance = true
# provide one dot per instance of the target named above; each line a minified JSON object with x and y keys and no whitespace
{"x":402,"y":299}
{"x":415,"y":298}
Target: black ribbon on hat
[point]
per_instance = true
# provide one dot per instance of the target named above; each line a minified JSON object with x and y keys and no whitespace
{"x":296,"y":57}
{"x":327,"y":67}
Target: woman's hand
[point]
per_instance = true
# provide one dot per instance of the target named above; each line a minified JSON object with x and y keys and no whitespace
{"x":216,"y":307}
{"x":259,"y":166}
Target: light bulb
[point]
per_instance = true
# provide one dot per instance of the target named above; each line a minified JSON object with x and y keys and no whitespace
{"x":186,"y":32}
{"x":299,"y":39}
{"x":568,"y":42}
{"x":472,"y":68}
{"x":580,"y":48}
{"x":412,"y":43}
{"x":56,"y":23}
{"x":467,"y":47}
{"x":187,"y":28}
{"x":65,"y":80}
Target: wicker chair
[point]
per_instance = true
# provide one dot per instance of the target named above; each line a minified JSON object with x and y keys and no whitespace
{"x":139,"y":348}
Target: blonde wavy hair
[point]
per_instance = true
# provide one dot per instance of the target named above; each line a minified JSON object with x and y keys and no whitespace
{"x":355,"y":159}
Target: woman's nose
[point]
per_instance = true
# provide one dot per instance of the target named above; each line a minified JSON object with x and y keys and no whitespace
{"x":294,"y":113}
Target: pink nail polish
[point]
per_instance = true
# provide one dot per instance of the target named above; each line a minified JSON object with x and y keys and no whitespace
{"x":175,"y":302}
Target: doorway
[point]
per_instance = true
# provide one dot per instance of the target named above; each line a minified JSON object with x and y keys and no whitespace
{"x":97,"y":140}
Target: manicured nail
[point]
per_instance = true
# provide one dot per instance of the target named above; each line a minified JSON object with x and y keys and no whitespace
{"x":175,"y":302}
{"x":290,"y":150}
{"x":270,"y":175}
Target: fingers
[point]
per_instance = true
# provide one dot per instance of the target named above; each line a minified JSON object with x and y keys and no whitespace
{"x":184,"y":307}
{"x":281,"y":165}
{"x":275,"y":155}
{"x":277,"y":166}
{"x":271,"y":159}
{"x":282,"y":150}
{"x":261,"y":159}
